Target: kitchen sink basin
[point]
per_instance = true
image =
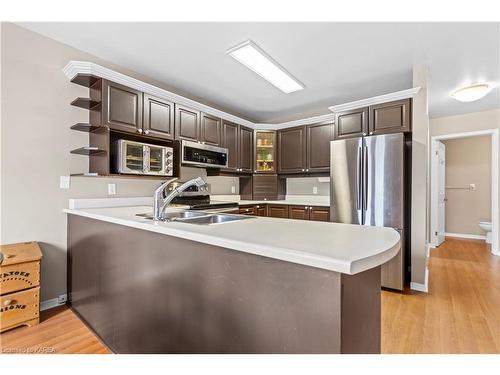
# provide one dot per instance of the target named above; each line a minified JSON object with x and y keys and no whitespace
{"x":169,"y":216}
{"x":213,"y":219}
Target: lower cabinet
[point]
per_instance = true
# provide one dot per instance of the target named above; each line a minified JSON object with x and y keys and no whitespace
{"x":319,"y":213}
{"x":260,"y":210}
{"x":309,"y":213}
{"x":278,"y":210}
{"x":284,"y":211}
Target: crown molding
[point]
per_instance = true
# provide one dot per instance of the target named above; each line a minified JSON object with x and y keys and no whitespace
{"x":73,"y":68}
{"x":398,"y":95}
{"x":329,"y":117}
{"x":85,"y":67}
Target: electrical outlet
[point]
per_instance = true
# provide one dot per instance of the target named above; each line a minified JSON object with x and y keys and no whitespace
{"x":472,"y":187}
{"x":233,"y":189}
{"x":111,"y":189}
{"x":315,"y":190}
{"x":62,"y":299}
{"x":64,"y":182}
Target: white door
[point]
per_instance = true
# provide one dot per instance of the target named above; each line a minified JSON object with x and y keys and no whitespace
{"x":441,"y":163}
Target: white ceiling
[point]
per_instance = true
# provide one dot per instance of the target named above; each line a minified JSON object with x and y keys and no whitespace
{"x":337,"y":62}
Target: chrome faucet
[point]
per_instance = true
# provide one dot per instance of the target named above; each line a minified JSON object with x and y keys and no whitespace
{"x":160,"y":204}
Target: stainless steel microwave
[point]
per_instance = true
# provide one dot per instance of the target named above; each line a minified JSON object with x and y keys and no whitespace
{"x":143,"y":158}
{"x":202,"y":155}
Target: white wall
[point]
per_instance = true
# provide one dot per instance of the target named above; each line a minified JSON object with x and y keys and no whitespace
{"x":305,"y":185}
{"x":35,"y":143}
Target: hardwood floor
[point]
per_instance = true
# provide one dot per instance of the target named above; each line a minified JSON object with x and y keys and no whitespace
{"x":60,"y":332}
{"x":460,"y":314}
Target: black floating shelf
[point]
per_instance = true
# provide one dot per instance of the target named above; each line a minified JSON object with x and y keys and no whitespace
{"x":85,"y":103}
{"x":87,"y":151}
{"x":86,"y":80}
{"x":84,"y":127}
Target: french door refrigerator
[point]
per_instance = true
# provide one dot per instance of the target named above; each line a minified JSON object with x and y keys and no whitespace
{"x":367,"y":188}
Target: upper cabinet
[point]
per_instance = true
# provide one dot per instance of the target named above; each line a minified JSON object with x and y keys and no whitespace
{"x":390,"y":117}
{"x":318,"y":147}
{"x":158,"y":118}
{"x":265,"y":151}
{"x":305,"y":149}
{"x":292,"y":150}
{"x":210,"y":130}
{"x":384,"y":118}
{"x":352,"y":123}
{"x":121,"y":107}
{"x":187,"y":123}
{"x":245,"y":149}
{"x":239,"y":142}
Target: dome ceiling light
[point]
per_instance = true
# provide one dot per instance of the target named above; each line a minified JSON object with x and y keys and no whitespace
{"x":472,"y":92}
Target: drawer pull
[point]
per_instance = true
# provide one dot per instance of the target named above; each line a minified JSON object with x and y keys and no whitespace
{"x":8,"y":302}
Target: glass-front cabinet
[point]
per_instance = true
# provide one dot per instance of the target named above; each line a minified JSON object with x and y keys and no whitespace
{"x":265,"y":151}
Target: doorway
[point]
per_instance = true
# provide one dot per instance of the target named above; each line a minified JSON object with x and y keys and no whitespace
{"x":439,"y":186}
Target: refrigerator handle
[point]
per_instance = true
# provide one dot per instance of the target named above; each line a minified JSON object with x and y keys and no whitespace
{"x":359,"y":171}
{"x":365,"y":178}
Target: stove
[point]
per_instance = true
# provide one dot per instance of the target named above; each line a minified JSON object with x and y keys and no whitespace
{"x":198,"y":198}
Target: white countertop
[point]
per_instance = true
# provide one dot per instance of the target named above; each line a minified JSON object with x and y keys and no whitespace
{"x":344,"y":248}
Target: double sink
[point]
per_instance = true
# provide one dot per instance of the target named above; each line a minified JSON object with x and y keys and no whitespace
{"x":197,"y":217}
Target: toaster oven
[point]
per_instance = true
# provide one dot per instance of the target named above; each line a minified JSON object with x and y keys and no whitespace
{"x":143,"y":158}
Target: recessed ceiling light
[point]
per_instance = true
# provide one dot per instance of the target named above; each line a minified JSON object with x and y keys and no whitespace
{"x":472,"y":92}
{"x":254,"y":58}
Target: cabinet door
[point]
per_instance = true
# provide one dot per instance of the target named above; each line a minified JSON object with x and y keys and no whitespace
{"x":121,"y":107}
{"x":265,"y":151}
{"x":352,"y":123}
{"x":265,"y":187}
{"x":247,"y":210}
{"x":298,"y":212}
{"x":187,"y":123}
{"x":158,"y":117}
{"x":392,"y":117}
{"x":210,"y":131}
{"x":318,"y":147}
{"x":279,"y":211}
{"x":230,"y":140}
{"x":261,"y":210}
{"x":319,"y":213}
{"x":292,"y":150}
{"x":246,"y":149}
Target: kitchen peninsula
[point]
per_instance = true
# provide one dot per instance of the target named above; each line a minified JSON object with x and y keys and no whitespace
{"x":259,"y":285}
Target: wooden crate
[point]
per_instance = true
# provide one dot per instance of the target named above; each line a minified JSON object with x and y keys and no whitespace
{"x":19,"y":285}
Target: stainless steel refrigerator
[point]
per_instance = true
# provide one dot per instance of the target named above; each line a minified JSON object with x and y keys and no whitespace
{"x":367,"y":187}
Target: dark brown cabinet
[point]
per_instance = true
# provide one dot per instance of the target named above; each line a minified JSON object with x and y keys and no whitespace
{"x":268,"y":187}
{"x":158,"y":120}
{"x":352,"y":123}
{"x":309,"y":213}
{"x":210,"y":130}
{"x":392,"y":117}
{"x":239,"y":142}
{"x":121,"y":107}
{"x":265,"y":151}
{"x":292,"y":150}
{"x":245,"y":149}
{"x":319,"y":213}
{"x":187,"y":123}
{"x":247,"y":210}
{"x":279,"y":211}
{"x":260,"y":210}
{"x":319,"y":137}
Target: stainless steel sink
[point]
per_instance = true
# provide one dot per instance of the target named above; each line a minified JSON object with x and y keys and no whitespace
{"x":170,"y":216}
{"x":213,"y":219}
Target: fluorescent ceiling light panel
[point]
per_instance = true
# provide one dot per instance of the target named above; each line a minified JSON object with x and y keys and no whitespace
{"x":471,"y":93}
{"x":250,"y":55}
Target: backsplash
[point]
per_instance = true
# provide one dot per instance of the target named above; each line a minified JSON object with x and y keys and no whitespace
{"x":218,"y":184}
{"x":305,"y":186}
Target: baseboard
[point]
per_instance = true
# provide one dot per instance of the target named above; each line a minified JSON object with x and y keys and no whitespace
{"x":422,"y":287}
{"x":51,"y":303}
{"x":464,"y":235}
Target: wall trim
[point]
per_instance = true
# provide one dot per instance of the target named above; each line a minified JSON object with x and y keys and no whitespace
{"x":329,"y":117}
{"x":422,"y":287}
{"x":465,"y":235}
{"x":51,"y":303}
{"x":398,"y":95}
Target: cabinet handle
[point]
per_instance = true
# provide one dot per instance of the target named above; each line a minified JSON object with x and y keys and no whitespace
{"x":8,"y":302}
{"x":371,"y":133}
{"x":303,"y":169}
{"x":139,"y":130}
{"x":146,"y":132}
{"x":307,"y":170}
{"x":364,"y":133}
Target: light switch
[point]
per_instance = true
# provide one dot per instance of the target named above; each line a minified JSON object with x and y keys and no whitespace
{"x":472,"y":187}
{"x":233,"y":189}
{"x":315,"y":190}
{"x":64,"y":182}
{"x":111,"y":189}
